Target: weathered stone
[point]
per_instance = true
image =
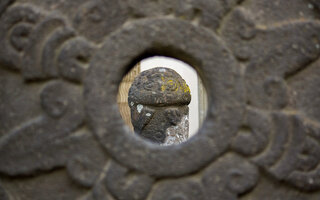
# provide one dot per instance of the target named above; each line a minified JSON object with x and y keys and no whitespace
{"x":165,"y":35}
{"x":180,"y":189}
{"x":229,"y":177}
{"x":158,"y":100}
{"x":62,"y":137}
{"x":127,"y":185}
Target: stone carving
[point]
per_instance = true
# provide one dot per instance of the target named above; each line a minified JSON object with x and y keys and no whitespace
{"x":127,"y":185}
{"x":179,"y":189}
{"x":229,"y":177}
{"x":61,"y":136}
{"x":292,"y":139}
{"x":158,"y":100}
{"x":32,"y":40}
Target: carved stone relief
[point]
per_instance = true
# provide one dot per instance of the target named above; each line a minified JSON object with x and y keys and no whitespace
{"x":62,"y":137}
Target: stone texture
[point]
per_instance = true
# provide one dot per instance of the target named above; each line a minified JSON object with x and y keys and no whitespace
{"x":62,"y":137}
{"x":158,"y":100}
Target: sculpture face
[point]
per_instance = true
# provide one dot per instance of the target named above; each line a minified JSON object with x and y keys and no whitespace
{"x":159,"y":100}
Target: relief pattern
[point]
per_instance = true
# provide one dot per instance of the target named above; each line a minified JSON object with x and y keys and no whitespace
{"x":272,"y":47}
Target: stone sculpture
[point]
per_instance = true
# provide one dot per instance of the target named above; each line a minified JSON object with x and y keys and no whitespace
{"x":61,"y":134}
{"x":158,"y":100}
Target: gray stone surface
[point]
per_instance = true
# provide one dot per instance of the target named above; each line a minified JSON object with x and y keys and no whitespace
{"x":61,"y":134}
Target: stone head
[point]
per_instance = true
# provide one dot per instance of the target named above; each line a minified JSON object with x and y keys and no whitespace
{"x":158,"y":99}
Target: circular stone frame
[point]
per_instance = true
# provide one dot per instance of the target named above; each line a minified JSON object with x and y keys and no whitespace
{"x":182,"y":40}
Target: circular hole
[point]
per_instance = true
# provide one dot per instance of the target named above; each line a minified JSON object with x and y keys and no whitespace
{"x":163,"y":100}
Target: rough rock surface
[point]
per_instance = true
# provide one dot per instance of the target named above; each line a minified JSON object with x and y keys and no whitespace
{"x":61,"y":134}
